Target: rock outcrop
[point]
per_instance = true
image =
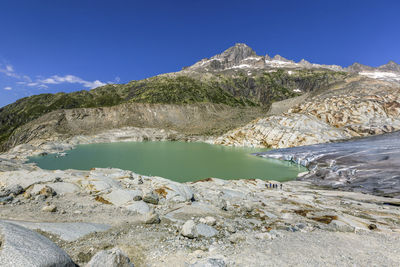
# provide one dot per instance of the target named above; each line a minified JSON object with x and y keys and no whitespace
{"x":110,"y":258}
{"x":357,"y":109}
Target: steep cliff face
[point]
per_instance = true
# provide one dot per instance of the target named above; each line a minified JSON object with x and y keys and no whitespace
{"x":196,"y":119}
{"x":356,"y":109}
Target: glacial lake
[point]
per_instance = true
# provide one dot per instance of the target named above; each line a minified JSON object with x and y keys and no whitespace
{"x":178,"y":161}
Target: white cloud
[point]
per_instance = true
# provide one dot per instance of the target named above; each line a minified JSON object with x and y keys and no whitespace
{"x":8,"y":88}
{"x":55,"y":79}
{"x":9,"y":71}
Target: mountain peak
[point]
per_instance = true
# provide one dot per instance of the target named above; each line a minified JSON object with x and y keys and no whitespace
{"x":235,"y":54}
{"x":280,"y":58}
{"x":305,"y":63}
{"x":357,"y":67}
{"x":390,"y":66}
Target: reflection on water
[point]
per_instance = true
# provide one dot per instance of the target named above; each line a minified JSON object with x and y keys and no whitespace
{"x":177,"y":161}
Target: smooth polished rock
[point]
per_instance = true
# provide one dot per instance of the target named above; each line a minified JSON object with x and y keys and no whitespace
{"x":204,"y":230}
{"x":120,"y":197}
{"x":65,"y":231}
{"x":23,"y":247}
{"x":139,"y":207}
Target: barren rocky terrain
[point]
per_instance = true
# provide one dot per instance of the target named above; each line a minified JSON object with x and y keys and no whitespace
{"x":154,"y":221}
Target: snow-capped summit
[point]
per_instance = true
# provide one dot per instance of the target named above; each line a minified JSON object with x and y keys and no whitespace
{"x":242,"y":57}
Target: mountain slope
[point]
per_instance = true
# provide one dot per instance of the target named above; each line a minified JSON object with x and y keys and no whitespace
{"x":237,"y":77}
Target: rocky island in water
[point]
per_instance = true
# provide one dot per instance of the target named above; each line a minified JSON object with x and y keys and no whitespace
{"x":342,"y":124}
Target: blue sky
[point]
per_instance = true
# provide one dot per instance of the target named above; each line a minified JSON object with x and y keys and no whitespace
{"x":56,"y":45}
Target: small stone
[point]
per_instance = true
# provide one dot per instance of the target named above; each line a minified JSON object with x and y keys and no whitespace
{"x":6,"y":199}
{"x":340,"y":226}
{"x":114,"y":257}
{"x":49,"y":208}
{"x":372,"y":226}
{"x":40,"y":198}
{"x":208,"y":220}
{"x":189,"y":229}
{"x":301,"y":225}
{"x":151,"y":218}
{"x":27,"y":195}
{"x":236,"y":238}
{"x":231,"y":229}
{"x":263,"y":236}
{"x":205,"y":231}
{"x":77,"y":212}
{"x":57,"y":180}
{"x":150,"y":197}
{"x":47,"y":191}
{"x":211,"y":262}
{"x":248,"y":207}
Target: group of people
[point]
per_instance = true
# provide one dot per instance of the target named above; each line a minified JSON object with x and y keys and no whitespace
{"x":274,"y":186}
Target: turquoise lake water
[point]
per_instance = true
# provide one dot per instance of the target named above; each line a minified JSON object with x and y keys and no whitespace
{"x":178,"y":161}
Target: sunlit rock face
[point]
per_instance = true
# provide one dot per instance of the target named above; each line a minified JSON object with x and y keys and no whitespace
{"x":360,"y":108}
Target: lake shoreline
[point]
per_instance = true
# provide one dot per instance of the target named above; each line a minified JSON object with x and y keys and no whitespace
{"x":207,"y":220}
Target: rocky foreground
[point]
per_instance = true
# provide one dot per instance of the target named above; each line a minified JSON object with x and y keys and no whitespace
{"x":103,"y":217}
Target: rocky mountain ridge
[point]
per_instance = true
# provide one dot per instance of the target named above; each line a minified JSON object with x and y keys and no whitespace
{"x":242,"y":57}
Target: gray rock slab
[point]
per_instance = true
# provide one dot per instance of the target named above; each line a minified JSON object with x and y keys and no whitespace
{"x":23,"y":247}
{"x":64,"y":188}
{"x":369,"y":165}
{"x":66,"y":231}
{"x":110,"y":258}
{"x":206,"y":231}
{"x":139,"y":207}
{"x":121,"y":196}
{"x":210,"y":262}
{"x":193,"y":209}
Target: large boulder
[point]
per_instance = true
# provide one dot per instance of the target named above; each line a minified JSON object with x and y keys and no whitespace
{"x":23,"y":247}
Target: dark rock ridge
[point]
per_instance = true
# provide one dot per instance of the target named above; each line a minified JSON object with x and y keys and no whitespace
{"x":368,"y":165}
{"x":357,"y":67}
{"x":390,"y":66}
